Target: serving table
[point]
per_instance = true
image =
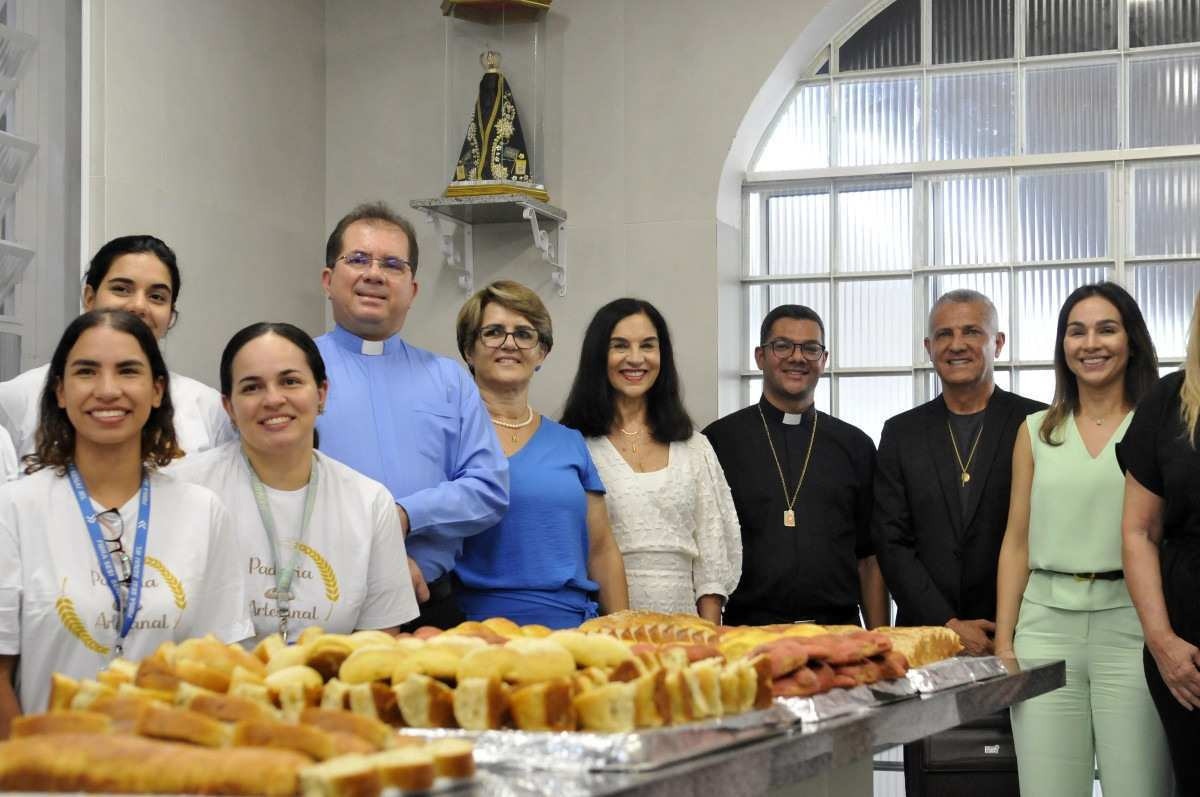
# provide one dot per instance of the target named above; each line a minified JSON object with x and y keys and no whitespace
{"x":826,"y":759}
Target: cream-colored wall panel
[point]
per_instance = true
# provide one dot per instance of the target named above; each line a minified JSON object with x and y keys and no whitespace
{"x":592,"y":165}
{"x":134,"y":112}
{"x":671,"y":265}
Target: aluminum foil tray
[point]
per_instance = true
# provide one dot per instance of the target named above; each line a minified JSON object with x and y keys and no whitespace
{"x":955,"y":672}
{"x":827,"y":705}
{"x":642,"y":750}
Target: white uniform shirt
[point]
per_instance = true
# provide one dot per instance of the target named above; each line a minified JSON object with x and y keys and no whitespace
{"x":56,"y":610}
{"x":200,"y":421}
{"x":352,"y":570}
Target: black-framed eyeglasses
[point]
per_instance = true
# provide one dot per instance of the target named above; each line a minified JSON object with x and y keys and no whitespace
{"x":493,"y":336}
{"x":361,"y":261}
{"x":112,"y":528}
{"x":783,"y":348}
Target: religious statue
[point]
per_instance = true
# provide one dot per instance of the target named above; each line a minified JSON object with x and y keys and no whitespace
{"x":494,"y":159}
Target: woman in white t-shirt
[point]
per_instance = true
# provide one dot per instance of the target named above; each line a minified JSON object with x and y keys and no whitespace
{"x":137,"y":273}
{"x":100,"y":554}
{"x":320,"y":543}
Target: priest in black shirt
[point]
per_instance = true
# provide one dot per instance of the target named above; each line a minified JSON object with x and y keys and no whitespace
{"x":801,"y":483}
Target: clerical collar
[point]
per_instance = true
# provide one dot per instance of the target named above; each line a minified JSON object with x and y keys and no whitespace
{"x":776,"y":415}
{"x":351,"y":342}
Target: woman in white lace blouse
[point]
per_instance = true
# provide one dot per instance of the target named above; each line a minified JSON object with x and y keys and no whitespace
{"x":669,"y":505}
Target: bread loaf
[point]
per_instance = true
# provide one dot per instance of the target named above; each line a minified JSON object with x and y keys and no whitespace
{"x":406,"y":768}
{"x":606,"y":709}
{"x":425,"y":702}
{"x":60,"y":722}
{"x":543,"y":706}
{"x":348,"y":776}
{"x":131,"y":764}
{"x":480,"y":704}
{"x":307,"y":739}
{"x":453,"y":758}
{"x":181,"y":725}
{"x":370,"y":730}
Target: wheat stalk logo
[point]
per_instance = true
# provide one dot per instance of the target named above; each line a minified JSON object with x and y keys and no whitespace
{"x":70,"y":620}
{"x":328,"y":577}
{"x":171,"y":581}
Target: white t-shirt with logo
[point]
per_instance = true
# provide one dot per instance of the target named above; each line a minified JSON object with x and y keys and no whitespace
{"x":56,"y":609}
{"x":201,"y":422}
{"x":351,"y":569}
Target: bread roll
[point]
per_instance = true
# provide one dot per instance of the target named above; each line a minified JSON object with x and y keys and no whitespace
{"x":286,"y":657}
{"x":267,"y":648}
{"x":60,"y":722}
{"x":541,"y":660}
{"x":62,"y":690}
{"x":606,"y":709}
{"x":425,"y":702}
{"x":488,"y":662}
{"x":707,"y":675}
{"x":88,"y":691}
{"x":310,"y":635}
{"x":370,"y":730}
{"x":348,"y":776}
{"x":155,"y":673}
{"x":370,"y":663}
{"x":453,"y":758}
{"x":405,"y":768}
{"x":228,"y":708}
{"x":131,"y":764}
{"x":544,"y":706}
{"x":437,"y":662}
{"x":347,"y":743}
{"x":371,"y":639}
{"x":480,"y":704}
{"x":326,"y":655}
{"x":125,"y":711}
{"x":592,"y":650}
{"x":308,"y":739}
{"x":202,"y":675}
{"x":652,"y":704}
{"x":180,"y":725}
{"x":157,"y":695}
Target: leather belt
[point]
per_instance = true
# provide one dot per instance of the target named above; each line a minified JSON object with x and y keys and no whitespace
{"x":1107,"y":575}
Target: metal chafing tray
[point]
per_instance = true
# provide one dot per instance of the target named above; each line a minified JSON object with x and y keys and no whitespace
{"x":615,"y":752}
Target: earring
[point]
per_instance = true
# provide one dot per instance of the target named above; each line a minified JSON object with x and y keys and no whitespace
{"x":537,"y":368}
{"x":320,"y":409}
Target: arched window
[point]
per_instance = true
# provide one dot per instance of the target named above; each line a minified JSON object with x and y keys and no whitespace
{"x":1018,"y":147}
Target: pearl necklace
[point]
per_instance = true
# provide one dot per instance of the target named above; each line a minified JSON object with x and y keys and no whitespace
{"x":514,"y":426}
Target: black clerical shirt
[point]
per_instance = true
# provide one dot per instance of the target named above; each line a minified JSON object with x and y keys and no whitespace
{"x":810,"y":571}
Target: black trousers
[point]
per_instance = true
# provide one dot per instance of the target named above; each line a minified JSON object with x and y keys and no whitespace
{"x":441,"y":610}
{"x":1182,"y":728}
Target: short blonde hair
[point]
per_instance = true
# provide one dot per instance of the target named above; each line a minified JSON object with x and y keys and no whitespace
{"x":1189,"y":394}
{"x":512,"y":296}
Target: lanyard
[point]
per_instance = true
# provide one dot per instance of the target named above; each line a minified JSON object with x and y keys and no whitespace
{"x":132,"y":605}
{"x":282,"y":591}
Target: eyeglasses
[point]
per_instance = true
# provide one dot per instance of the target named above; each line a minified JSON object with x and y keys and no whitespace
{"x":361,"y":261}
{"x":493,"y":336}
{"x":112,"y":527}
{"x":783,"y":348}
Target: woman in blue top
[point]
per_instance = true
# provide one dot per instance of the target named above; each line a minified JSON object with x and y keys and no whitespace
{"x":553,"y":552}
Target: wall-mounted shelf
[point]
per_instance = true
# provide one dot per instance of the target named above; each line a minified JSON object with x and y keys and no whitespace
{"x":453,"y":214}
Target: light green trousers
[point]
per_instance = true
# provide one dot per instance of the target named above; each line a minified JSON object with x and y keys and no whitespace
{"x":1104,"y":711}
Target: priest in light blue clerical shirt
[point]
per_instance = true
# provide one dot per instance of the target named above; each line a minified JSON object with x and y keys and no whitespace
{"x":404,"y":416}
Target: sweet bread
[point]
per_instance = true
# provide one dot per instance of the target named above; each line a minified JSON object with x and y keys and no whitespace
{"x":425,"y":702}
{"x":407,"y":768}
{"x":453,"y":758}
{"x":370,"y":730}
{"x":180,"y":725}
{"x":348,"y":776}
{"x":60,"y":722}
{"x":307,"y":739}
{"x":606,"y":709}
{"x":131,"y":764}
{"x":543,"y":706}
{"x":480,"y":704}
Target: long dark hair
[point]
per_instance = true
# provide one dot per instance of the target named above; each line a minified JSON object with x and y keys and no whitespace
{"x":55,"y":439}
{"x":289,"y":332}
{"x":134,"y":245}
{"x":590,"y":403}
{"x":1141,"y":369}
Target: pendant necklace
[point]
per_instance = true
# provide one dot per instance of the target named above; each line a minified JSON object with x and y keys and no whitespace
{"x":789,"y":514}
{"x":634,"y":439}
{"x":514,"y":434}
{"x":964,"y":468}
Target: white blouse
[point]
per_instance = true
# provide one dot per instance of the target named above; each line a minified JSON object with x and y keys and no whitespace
{"x":676,"y":527}
{"x":56,"y":610}
{"x":200,"y":420}
{"x":352,"y":571}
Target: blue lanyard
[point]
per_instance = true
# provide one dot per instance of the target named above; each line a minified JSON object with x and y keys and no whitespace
{"x":130,"y":608}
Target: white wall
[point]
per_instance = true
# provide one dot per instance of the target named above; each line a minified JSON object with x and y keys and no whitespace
{"x":207,"y":129}
{"x":643,"y":101}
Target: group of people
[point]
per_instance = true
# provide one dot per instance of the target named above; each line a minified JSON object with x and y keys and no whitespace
{"x":147,"y":507}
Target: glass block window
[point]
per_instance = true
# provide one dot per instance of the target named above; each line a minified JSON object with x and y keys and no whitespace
{"x":1018,"y":147}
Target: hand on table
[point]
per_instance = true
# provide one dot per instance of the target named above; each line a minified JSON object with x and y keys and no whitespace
{"x":975,"y":635}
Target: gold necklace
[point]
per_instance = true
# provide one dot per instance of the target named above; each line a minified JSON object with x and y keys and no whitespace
{"x":633,"y":446}
{"x":515,"y":435}
{"x":964,"y":468}
{"x":789,"y":514}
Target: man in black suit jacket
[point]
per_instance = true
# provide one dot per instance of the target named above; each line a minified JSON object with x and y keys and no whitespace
{"x":943,"y":477}
{"x":941,"y":494}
